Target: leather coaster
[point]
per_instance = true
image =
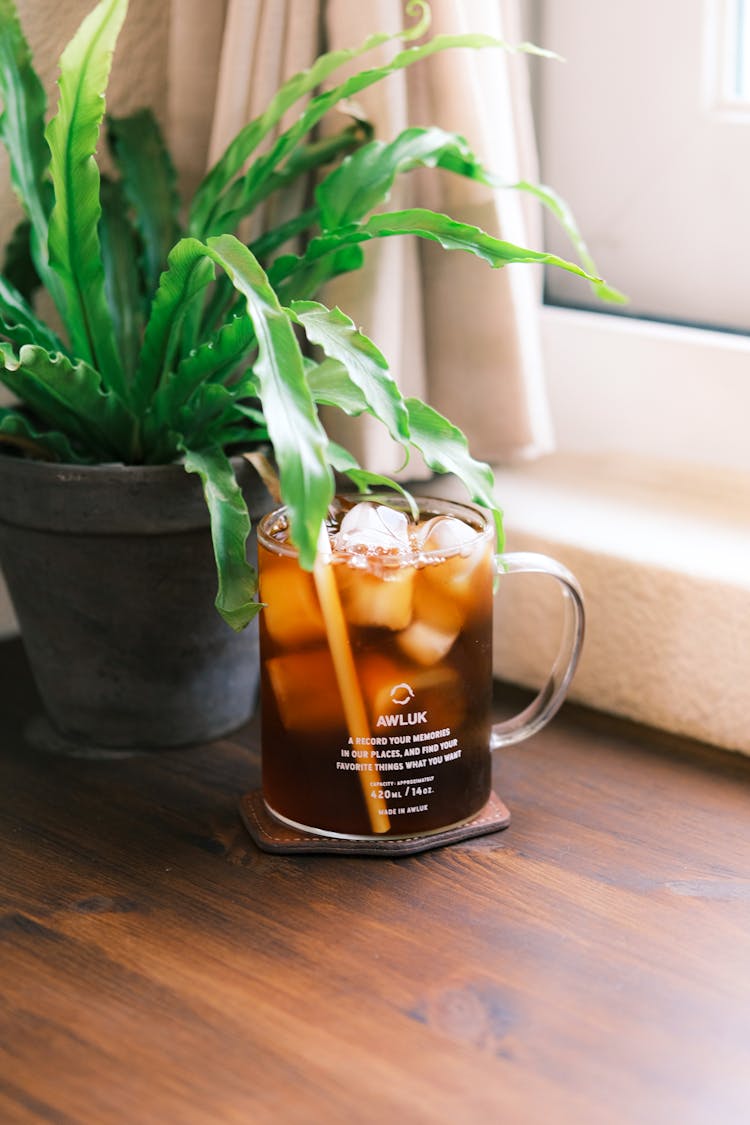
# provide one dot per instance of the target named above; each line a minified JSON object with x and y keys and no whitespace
{"x":272,"y":836}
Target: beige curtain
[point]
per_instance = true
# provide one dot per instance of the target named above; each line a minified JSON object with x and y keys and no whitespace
{"x":464,"y":337}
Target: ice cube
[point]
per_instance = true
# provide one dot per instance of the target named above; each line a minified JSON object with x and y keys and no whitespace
{"x":426,"y":644}
{"x":292,"y":614}
{"x":458,"y":580}
{"x":305,"y":689}
{"x":392,"y":689}
{"x":435,"y":602}
{"x":382,"y":600}
{"x":444,"y":533}
{"x":447,"y":593}
{"x":369,"y":526}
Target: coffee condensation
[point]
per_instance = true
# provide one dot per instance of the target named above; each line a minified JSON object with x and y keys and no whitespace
{"x":417,"y":607}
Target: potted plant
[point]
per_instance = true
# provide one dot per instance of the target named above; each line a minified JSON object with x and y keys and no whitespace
{"x":180,"y":348}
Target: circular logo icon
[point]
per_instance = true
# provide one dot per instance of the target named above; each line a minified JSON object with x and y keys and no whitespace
{"x":401,"y":694}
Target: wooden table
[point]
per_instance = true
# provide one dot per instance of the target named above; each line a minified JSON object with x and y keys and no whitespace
{"x":590,"y":964}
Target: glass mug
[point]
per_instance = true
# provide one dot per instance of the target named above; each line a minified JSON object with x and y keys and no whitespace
{"x":376,"y":668}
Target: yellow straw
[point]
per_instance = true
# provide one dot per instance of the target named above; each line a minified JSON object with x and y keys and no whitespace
{"x":346,"y":677}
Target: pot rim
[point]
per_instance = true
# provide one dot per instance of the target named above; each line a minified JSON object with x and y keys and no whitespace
{"x":36,"y":464}
{"x":112,"y":498}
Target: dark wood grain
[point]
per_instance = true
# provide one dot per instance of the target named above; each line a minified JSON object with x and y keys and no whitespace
{"x":590,"y":964}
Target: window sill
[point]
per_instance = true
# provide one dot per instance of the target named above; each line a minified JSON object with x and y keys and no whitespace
{"x":662,"y":554}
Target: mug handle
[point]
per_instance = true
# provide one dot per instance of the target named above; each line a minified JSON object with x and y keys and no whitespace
{"x":546,"y":703}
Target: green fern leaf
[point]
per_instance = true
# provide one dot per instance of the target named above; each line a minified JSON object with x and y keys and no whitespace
{"x":74,"y":249}
{"x":22,"y":133}
{"x":71,"y":398}
{"x":19,"y":322}
{"x":18,"y":431}
{"x":149,"y":181}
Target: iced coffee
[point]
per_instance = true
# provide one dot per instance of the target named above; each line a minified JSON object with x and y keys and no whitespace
{"x":376,"y":669}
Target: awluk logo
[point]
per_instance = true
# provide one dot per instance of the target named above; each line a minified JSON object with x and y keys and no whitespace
{"x":401,"y":695}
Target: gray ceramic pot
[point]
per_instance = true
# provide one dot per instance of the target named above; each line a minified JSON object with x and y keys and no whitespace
{"x":111,"y":572}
